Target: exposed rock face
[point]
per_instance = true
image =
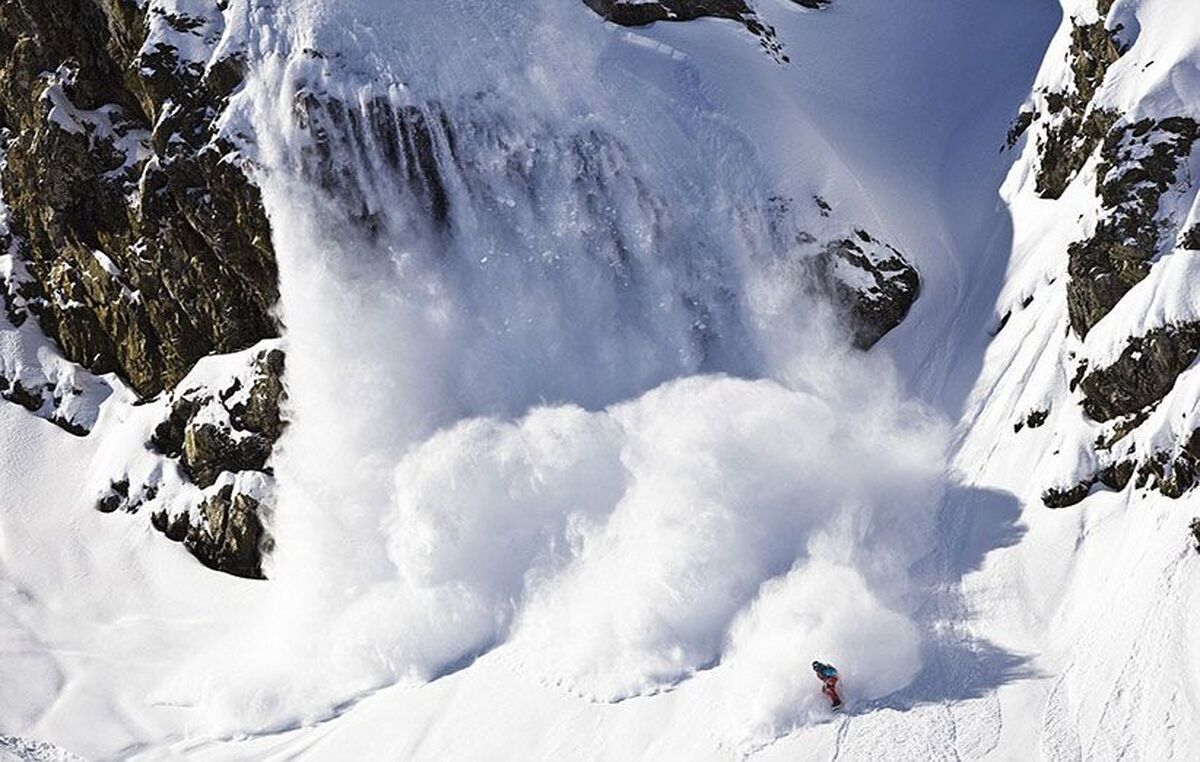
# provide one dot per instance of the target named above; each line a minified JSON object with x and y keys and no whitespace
{"x":1075,"y":128}
{"x":33,"y":374}
{"x":1114,"y":477}
{"x":1140,"y":162}
{"x":1191,"y":239}
{"x":214,"y":440}
{"x":229,"y":536}
{"x":408,"y":137}
{"x":1020,"y":125}
{"x":146,"y":246}
{"x":44,"y":400}
{"x":1142,"y":178}
{"x":232,"y":432}
{"x":210,"y":436}
{"x":1056,"y":497}
{"x":1034,"y":419}
{"x":641,"y":13}
{"x":870,"y":284}
{"x":132,"y":235}
{"x":117,"y":497}
{"x":872,"y":281}
{"x":1143,"y":374}
{"x":1171,"y":471}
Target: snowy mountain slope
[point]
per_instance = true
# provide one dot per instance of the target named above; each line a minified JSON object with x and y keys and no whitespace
{"x":1113,"y":245}
{"x":1100,"y":591}
{"x":581,"y":464}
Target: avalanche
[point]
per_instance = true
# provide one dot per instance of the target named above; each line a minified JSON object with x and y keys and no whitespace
{"x":580,"y":462}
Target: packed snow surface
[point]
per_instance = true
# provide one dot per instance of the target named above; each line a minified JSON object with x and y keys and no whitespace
{"x":578,"y":466}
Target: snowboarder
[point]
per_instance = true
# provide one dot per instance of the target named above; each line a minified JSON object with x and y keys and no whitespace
{"x":828,"y":675}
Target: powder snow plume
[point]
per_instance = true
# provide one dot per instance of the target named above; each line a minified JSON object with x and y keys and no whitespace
{"x":554,"y":393}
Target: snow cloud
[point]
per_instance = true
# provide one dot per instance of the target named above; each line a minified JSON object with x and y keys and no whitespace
{"x":581,"y":419}
{"x":713,"y":523}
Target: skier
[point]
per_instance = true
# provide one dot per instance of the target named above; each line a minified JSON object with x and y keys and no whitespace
{"x":828,"y":675}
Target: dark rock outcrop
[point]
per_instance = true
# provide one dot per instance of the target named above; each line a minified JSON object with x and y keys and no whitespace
{"x":1140,"y":162}
{"x":1019,"y":126}
{"x":148,"y":248}
{"x":1065,"y":148}
{"x":231,"y":432}
{"x":1075,"y":127}
{"x":1143,"y":374}
{"x":260,"y":411}
{"x":1191,"y":239}
{"x":1035,"y":419}
{"x":210,"y":450}
{"x":1172,"y":472}
{"x":142,"y":247}
{"x":642,"y":13}
{"x":410,"y":142}
{"x":1141,"y":166}
{"x":229,"y":536}
{"x":17,"y":393}
{"x":871,"y":281}
{"x":212,"y":436}
{"x":1117,"y":475}
{"x":1065,"y":497}
{"x":117,"y":497}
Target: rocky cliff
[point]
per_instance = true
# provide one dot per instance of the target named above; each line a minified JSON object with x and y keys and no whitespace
{"x":145,"y":246}
{"x":1114,"y":148}
{"x":131,"y":234}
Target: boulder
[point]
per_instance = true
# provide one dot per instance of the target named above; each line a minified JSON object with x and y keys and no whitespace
{"x":870,"y":281}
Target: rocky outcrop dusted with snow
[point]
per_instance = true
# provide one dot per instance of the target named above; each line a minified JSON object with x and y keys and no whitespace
{"x":144,"y":246}
{"x":1142,"y":374}
{"x":206,"y":479}
{"x":1114,"y":148}
{"x":640,"y":13}
{"x":871,"y":282}
{"x":132,"y":237}
{"x":1074,"y":125}
{"x":1140,"y":162}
